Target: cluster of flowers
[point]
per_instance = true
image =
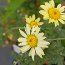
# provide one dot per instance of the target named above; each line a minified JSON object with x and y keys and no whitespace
{"x":32,"y":39}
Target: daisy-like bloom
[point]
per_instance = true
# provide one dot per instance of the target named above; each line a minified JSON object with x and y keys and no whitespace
{"x":32,"y":21}
{"x":52,"y":13}
{"x":32,"y":40}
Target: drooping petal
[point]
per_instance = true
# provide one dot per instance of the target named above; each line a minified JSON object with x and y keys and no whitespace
{"x":25,"y":48}
{"x":39,"y":52}
{"x":32,"y":53}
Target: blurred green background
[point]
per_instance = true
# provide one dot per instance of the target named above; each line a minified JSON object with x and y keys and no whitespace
{"x":12,"y":17}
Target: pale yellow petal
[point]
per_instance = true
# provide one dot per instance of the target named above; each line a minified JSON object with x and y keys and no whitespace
{"x":43,"y":44}
{"x":59,"y":6}
{"x":52,"y":3}
{"x":22,"y":33}
{"x":25,"y":48}
{"x":37,"y":31}
{"x":63,"y":17}
{"x":32,"y":53}
{"x":56,"y":23}
{"x":44,"y":7}
{"x":37,"y":20}
{"x":41,"y":35}
{"x":27,"y":29}
{"x":46,"y":16}
{"x":28,"y":20}
{"x":47,"y":4}
{"x":63,"y":22}
{"x":40,"y":23}
{"x":22,"y":43}
{"x":39,"y":52}
{"x":42,"y":12}
{"x":21,"y":39}
{"x":51,"y":20}
{"x":33,"y":17}
{"x":62,"y":8}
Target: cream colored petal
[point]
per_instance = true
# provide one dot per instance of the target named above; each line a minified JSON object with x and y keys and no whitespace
{"x":52,"y":3}
{"x":41,"y":36}
{"x":22,"y":43}
{"x":59,"y":6}
{"x":39,"y":52}
{"x":40,"y":23}
{"x":63,"y":22}
{"x":63,"y":17}
{"x":32,"y":53}
{"x":62,"y":8}
{"x":21,"y":39}
{"x":33,"y":30}
{"x":44,"y":7}
{"x":56,"y":23}
{"x":42,"y":12}
{"x":43,"y":44}
{"x":27,"y":29}
{"x":22,"y":33}
{"x":33,"y":17}
{"x":46,"y":16}
{"x":51,"y":20}
{"x":37,"y":20}
{"x":47,"y":4}
{"x":37,"y":31}
{"x":28,"y":20}
{"x":25,"y":48}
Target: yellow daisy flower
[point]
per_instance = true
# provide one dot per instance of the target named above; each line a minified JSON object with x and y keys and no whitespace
{"x":32,"y":40}
{"x":32,"y":21}
{"x":52,"y":13}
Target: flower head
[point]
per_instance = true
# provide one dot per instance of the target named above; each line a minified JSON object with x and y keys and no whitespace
{"x":32,"y":21}
{"x":32,"y":40}
{"x":52,"y":13}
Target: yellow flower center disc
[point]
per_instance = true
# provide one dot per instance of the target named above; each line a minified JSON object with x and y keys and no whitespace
{"x":54,"y":13}
{"x":32,"y":40}
{"x":33,"y":23}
